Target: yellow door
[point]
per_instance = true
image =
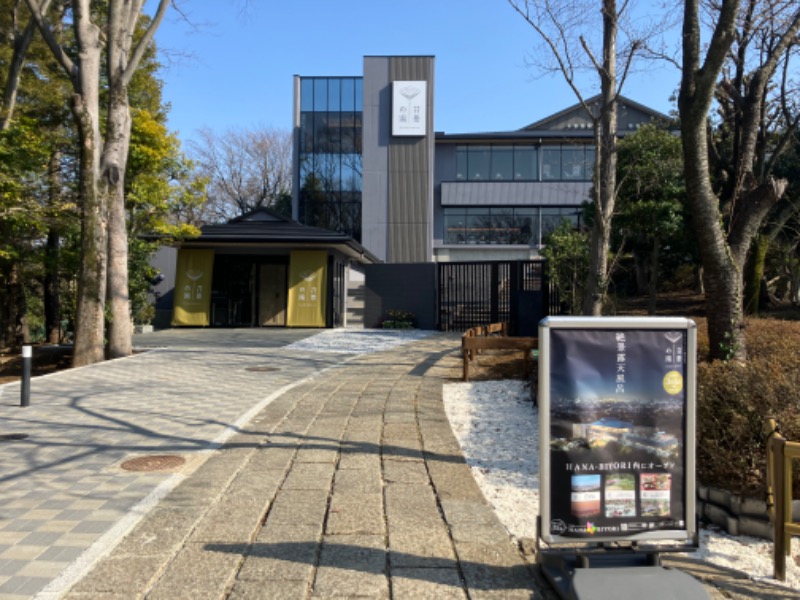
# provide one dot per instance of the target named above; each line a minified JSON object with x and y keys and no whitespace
{"x":272,"y":296}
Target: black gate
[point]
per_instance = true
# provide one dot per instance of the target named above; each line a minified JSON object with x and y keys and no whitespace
{"x":478,"y":293}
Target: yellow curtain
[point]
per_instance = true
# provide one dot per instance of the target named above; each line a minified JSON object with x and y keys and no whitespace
{"x":308,"y":270}
{"x":192,"y":301}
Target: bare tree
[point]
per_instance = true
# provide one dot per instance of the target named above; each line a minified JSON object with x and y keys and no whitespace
{"x":726,"y":219}
{"x":571,"y":46}
{"x":246,"y":169}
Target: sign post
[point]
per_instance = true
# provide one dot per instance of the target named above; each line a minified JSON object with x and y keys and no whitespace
{"x":617,"y":448}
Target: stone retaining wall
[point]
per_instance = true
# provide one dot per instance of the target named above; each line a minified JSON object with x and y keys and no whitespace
{"x":735,"y":514}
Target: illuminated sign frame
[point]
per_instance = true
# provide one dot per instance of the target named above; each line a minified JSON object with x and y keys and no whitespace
{"x":617,"y":429}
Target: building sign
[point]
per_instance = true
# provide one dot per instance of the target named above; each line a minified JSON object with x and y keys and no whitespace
{"x":409,"y":103}
{"x":616,"y":403}
{"x":193,"y":288}
{"x":307,"y":288}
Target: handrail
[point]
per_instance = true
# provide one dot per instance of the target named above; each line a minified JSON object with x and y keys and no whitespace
{"x":780,"y":457}
{"x":494,"y":337}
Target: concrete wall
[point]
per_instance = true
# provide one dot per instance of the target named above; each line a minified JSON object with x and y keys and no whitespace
{"x":409,"y":287}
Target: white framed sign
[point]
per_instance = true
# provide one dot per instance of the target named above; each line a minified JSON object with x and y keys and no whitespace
{"x":409,"y":103}
{"x":617,"y":429}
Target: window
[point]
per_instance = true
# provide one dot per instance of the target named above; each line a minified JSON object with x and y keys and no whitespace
{"x":461,"y":163}
{"x":334,"y":95}
{"x":551,"y":163}
{"x":573,"y":165}
{"x":330,"y":153}
{"x":320,"y":94}
{"x":524,"y":163}
{"x":504,"y":225}
{"x":479,"y":163}
{"x":502,"y":163}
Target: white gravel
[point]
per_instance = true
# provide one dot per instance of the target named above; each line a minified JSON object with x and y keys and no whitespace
{"x":497,"y":426}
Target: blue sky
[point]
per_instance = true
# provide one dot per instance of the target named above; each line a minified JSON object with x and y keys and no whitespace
{"x":233,"y":67}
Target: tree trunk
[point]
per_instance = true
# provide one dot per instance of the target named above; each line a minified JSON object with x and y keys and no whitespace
{"x":754,"y":274}
{"x":52,"y":312}
{"x":721,"y":280}
{"x":653,"y":285}
{"x":90,"y":311}
{"x":52,"y":309}
{"x":120,"y":328}
{"x":605,"y":170}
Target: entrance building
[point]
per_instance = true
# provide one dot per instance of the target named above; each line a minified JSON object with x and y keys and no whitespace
{"x":260,"y":270}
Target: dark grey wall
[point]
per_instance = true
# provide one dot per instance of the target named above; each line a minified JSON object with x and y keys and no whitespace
{"x":398,"y":286}
{"x":410,"y":213}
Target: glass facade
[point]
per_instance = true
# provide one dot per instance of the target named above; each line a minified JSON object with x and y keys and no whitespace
{"x":524,"y":163}
{"x":331,"y":110}
{"x":505,"y":225}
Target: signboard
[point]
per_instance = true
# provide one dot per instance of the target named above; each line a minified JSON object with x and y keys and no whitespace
{"x":617,"y":429}
{"x":193,"y":287}
{"x":307,"y":288}
{"x":409,"y":103}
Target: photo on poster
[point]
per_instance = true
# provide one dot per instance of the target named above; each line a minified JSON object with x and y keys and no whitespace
{"x":655,"y":492}
{"x":620,"y":495}
{"x":585,"y":495}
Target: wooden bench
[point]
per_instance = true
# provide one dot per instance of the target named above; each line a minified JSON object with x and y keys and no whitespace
{"x":494,"y":337}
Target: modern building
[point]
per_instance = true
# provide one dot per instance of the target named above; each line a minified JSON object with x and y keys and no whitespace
{"x":369,"y":163}
{"x":374,"y":183}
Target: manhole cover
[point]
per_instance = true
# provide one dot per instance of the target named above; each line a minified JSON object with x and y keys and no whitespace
{"x":261,"y":369}
{"x":12,"y":437}
{"x":157,"y":462}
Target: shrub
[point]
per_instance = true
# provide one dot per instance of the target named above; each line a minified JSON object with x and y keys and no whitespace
{"x":399,"y":319}
{"x":734,"y":399}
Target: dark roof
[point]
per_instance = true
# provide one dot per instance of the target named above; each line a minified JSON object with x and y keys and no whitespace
{"x":267,"y":228}
{"x":553,"y":128}
{"x":578,"y":109}
{"x":513,"y":136}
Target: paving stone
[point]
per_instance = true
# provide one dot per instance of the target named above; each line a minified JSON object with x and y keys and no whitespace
{"x":355,"y":514}
{"x":126,"y":574}
{"x":352,"y":566}
{"x":298,"y":507}
{"x":268,"y":590}
{"x":200,"y":571}
{"x":412,"y":584}
{"x":309,"y":476}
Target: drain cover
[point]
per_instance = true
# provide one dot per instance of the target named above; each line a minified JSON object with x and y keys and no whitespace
{"x":261,"y":369}
{"x":12,"y":437}
{"x":157,"y":462}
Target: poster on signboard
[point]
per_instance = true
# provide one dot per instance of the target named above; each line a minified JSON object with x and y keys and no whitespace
{"x":618,"y":420}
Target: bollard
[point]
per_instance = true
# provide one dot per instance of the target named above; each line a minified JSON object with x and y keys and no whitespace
{"x":25,"y":388}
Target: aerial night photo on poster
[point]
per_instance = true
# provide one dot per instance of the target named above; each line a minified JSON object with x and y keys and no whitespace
{"x":617,"y":431}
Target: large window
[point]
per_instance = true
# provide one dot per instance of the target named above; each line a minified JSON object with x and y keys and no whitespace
{"x":570,"y":162}
{"x":504,"y":225}
{"x":330,"y":153}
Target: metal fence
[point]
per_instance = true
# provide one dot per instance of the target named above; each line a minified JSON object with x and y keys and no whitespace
{"x":473,"y":294}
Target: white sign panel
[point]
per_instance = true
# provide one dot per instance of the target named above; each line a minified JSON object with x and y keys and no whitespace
{"x":408,"y":108}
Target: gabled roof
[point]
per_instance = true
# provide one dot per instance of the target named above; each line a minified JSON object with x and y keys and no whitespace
{"x":571,"y":123}
{"x":575,"y":117}
{"x":264,"y":227}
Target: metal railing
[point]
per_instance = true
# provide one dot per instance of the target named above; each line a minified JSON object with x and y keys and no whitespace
{"x":780,"y":457}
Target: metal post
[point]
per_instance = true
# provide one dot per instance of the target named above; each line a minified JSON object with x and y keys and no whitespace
{"x":25,"y":387}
